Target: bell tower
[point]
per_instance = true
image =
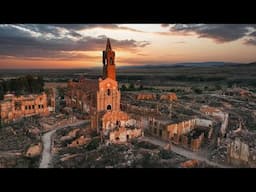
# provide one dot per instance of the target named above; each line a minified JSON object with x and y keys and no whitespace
{"x":108,"y":59}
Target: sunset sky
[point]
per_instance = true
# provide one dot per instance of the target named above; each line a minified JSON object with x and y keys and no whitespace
{"x":81,"y":45}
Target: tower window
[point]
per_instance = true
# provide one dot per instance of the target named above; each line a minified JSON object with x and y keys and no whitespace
{"x":109,"y":107}
{"x":111,"y":61}
{"x":108,"y":92}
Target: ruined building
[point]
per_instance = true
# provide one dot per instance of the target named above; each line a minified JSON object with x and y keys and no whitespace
{"x":101,"y":99}
{"x":15,"y":107}
{"x":169,"y":97}
{"x":241,"y":149}
{"x":189,"y":133}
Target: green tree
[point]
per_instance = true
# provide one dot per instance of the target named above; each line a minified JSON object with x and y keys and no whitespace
{"x":218,"y":87}
{"x":123,"y":87}
{"x":131,"y":87}
{"x":198,"y":91}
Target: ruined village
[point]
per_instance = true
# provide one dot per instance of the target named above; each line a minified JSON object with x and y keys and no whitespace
{"x":138,"y":119}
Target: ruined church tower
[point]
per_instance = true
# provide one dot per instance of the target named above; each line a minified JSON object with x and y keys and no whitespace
{"x":108,"y":94}
{"x":109,"y":68}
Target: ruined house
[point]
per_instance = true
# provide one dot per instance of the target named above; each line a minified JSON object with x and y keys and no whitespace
{"x":169,"y":97}
{"x":213,"y":111}
{"x":218,"y":115}
{"x":15,"y":107}
{"x":146,"y":96}
{"x":122,"y":134}
{"x":51,"y":101}
{"x":241,"y":149}
{"x":237,"y":92}
{"x":189,"y":133}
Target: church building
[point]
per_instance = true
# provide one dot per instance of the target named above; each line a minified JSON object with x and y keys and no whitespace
{"x":101,"y":99}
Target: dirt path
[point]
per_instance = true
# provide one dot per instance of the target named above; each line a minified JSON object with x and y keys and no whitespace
{"x":184,"y":152}
{"x":47,"y":141}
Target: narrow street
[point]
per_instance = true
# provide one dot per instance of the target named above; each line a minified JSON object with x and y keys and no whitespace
{"x":183,"y":152}
{"x":47,"y":141}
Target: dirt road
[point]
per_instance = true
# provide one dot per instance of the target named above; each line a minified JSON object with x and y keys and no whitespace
{"x":47,"y":141}
{"x":184,"y":152}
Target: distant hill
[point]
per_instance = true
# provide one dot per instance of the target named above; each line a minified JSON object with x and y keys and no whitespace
{"x":253,"y":63}
{"x":188,"y":64}
{"x":205,"y":64}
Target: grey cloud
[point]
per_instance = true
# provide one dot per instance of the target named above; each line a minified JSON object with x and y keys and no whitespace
{"x":253,"y":34}
{"x":250,"y":41}
{"x":218,"y":32}
{"x":78,"y":27}
{"x":19,"y":43}
{"x":165,"y":25}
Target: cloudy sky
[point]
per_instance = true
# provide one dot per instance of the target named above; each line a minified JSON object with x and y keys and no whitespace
{"x":81,"y":45}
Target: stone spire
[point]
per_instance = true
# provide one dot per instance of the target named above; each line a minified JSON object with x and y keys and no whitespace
{"x":108,"y":59}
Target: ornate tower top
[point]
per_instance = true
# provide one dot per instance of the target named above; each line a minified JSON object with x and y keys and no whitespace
{"x":109,"y":69}
{"x":108,"y":46}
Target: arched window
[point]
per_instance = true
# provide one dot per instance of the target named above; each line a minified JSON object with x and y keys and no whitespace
{"x":108,"y":92}
{"x":109,"y":107}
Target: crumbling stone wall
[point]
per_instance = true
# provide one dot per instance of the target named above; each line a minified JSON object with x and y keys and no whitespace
{"x":212,"y":111}
{"x":82,"y":94}
{"x":122,"y":135}
{"x":51,"y":102}
{"x":112,"y":119}
{"x":237,"y":92}
{"x":238,"y":152}
{"x":180,"y":133}
{"x":196,"y":143}
{"x":204,"y":122}
{"x":181,"y":128}
{"x":169,"y":97}
{"x":146,"y":96}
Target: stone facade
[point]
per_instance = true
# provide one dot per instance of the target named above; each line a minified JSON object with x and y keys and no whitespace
{"x":15,"y":107}
{"x":108,"y":95}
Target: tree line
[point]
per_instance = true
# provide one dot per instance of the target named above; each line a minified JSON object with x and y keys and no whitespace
{"x":23,"y":85}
